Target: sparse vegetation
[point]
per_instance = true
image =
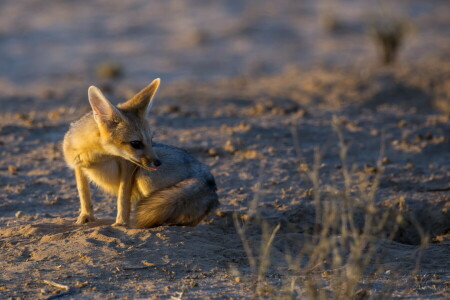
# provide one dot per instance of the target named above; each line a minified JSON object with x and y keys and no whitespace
{"x":327,"y":15}
{"x":109,"y":70}
{"x":388,"y":33}
{"x":340,"y":256}
{"x":311,"y":208}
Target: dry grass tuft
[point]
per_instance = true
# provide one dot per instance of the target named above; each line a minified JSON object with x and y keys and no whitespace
{"x":388,"y":33}
{"x":327,"y":15}
{"x":341,"y":257}
{"x":108,"y":70}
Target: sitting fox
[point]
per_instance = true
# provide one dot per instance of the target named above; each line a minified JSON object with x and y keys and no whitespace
{"x":112,"y":146}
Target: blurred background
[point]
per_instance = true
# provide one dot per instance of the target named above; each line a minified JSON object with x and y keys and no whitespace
{"x":65,"y":41}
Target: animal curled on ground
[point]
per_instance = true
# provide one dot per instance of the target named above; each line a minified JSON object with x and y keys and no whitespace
{"x":112,"y":146}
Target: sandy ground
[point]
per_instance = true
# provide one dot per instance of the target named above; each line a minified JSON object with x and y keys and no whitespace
{"x":241,"y":83}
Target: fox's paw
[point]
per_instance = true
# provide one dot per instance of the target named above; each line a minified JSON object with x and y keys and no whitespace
{"x":120,"y":224}
{"x":83,"y":219}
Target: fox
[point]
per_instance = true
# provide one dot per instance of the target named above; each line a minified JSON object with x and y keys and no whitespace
{"x":112,"y":147}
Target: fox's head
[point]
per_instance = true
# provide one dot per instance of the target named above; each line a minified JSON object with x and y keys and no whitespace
{"x":124,"y":130}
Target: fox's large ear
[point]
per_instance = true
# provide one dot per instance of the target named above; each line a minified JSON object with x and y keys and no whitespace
{"x":103,"y":110}
{"x":142,"y":101}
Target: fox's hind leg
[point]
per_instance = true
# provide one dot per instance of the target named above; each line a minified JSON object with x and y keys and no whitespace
{"x":185,"y":203}
{"x":86,"y":213}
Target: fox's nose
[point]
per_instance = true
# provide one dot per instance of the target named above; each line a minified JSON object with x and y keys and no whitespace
{"x":156,"y":162}
{"x":150,"y":162}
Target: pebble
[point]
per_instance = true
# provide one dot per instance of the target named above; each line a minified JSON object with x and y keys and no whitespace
{"x":385,"y":160}
{"x":229,"y":147}
{"x":402,"y":123}
{"x":12,"y":170}
{"x":213,"y":152}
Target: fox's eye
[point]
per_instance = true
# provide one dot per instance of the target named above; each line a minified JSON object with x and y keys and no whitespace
{"x":137,"y":144}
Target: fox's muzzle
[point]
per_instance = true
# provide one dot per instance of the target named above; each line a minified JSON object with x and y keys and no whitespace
{"x":150,"y":163}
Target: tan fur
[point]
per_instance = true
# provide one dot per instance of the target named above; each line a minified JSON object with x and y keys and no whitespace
{"x":181,"y":191}
{"x":175,"y":205}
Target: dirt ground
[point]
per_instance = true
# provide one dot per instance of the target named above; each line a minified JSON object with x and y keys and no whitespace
{"x":251,"y":89}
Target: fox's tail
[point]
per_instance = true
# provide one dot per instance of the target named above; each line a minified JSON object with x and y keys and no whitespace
{"x":185,"y":203}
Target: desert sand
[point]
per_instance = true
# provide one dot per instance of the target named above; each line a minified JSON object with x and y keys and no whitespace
{"x":253,"y":90}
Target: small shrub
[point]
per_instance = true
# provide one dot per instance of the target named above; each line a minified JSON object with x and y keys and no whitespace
{"x":388,"y":34}
{"x":108,"y":70}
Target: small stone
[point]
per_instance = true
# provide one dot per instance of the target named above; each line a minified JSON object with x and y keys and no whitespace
{"x":370,"y":169}
{"x":418,"y":138}
{"x":147,"y":263}
{"x":81,"y":284}
{"x":220,"y":214}
{"x":249,"y":154}
{"x":21,"y":116}
{"x":402,"y":123}
{"x":12,"y":170}
{"x":43,"y":291}
{"x":310,"y":193}
{"x":409,"y":165}
{"x":193,"y":283}
{"x":438,"y":239}
{"x":212,"y":152}
{"x":53,"y":115}
{"x":229,"y":147}
{"x":171,"y":109}
{"x":245,"y":217}
{"x":325,"y":274}
{"x":361,"y":295}
{"x":303,"y":168}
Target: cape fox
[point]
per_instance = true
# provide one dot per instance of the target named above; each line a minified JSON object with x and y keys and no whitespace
{"x":112,"y":146}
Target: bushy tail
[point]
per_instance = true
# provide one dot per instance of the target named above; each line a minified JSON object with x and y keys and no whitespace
{"x":185,"y":203}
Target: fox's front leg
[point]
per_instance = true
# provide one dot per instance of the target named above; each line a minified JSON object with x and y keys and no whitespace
{"x":124,"y":195}
{"x":86,"y":213}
